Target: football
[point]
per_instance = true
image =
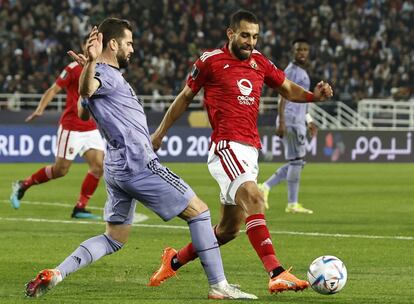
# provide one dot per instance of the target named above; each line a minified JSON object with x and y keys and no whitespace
{"x":327,"y":275}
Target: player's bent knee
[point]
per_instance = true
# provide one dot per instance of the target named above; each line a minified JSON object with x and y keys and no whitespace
{"x":256,"y":205}
{"x":250,"y":199}
{"x":254,"y":202}
{"x":119,"y":233}
{"x":195,"y":207}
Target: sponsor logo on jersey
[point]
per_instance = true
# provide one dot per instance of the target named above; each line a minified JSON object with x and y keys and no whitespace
{"x":245,"y":87}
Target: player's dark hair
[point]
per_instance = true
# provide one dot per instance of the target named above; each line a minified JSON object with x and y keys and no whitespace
{"x":300,"y":40}
{"x":113,"y":28}
{"x":240,"y":15}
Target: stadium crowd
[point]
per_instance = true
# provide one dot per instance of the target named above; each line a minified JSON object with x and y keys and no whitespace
{"x":364,"y":48}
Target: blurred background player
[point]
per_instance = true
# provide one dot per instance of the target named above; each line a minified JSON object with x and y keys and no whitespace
{"x":132,"y":169}
{"x":292,"y":121}
{"x":233,"y":78}
{"x":74,"y":137}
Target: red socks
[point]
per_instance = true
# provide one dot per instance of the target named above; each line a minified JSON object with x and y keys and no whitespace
{"x":43,"y":175}
{"x":89,"y":185}
{"x":259,"y":237}
{"x":261,"y":241}
{"x":187,"y":253}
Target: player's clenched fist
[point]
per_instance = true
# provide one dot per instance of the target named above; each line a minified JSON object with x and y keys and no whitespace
{"x":322,"y":91}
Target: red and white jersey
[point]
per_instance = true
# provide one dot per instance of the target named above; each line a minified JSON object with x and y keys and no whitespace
{"x":69,"y":80}
{"x":232,"y":89}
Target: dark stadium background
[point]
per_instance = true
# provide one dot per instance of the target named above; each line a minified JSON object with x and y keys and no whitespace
{"x":364,"y":49}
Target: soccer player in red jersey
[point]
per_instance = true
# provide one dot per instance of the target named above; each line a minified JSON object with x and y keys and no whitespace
{"x":232,"y":78}
{"x":75,"y":136}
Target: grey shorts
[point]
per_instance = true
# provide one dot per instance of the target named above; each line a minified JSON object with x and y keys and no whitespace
{"x":294,"y":142}
{"x":156,"y":187}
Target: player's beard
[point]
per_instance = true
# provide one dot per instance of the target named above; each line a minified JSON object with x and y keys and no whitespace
{"x":122,"y":59}
{"x":237,"y":52}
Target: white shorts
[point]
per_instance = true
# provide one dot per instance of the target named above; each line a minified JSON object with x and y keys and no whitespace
{"x":231,"y":164}
{"x":71,"y":143}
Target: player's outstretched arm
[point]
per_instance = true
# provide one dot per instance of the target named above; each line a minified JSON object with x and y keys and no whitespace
{"x":44,"y":101}
{"x":87,"y":83}
{"x":176,"y":109}
{"x":296,"y":93}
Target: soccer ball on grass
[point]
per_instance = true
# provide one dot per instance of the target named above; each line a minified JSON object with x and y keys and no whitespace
{"x":327,"y":274}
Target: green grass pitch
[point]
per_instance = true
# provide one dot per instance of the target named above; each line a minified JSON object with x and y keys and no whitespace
{"x":364,"y":214}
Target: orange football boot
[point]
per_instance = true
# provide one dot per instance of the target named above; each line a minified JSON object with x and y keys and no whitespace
{"x":165,"y":271}
{"x":286,"y":281}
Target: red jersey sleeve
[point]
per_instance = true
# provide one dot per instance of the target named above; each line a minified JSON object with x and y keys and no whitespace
{"x":64,"y":78}
{"x":200,"y":73}
{"x":273,"y":77}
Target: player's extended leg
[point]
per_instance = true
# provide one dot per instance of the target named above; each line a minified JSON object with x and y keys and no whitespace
{"x":204,"y":241}
{"x":119,"y":211}
{"x":227,"y":229}
{"x":250,"y":198}
{"x":88,"y":252}
{"x":206,"y":247}
{"x":293,"y":181}
{"x":94,"y":158}
{"x":59,"y":169}
{"x":279,"y":176}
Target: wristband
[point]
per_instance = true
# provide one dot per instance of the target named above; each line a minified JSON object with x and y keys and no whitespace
{"x":308,"y":118}
{"x":309,"y":97}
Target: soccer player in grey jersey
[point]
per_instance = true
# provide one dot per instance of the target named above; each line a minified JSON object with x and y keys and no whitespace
{"x":292,"y":121}
{"x":132,"y":169}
